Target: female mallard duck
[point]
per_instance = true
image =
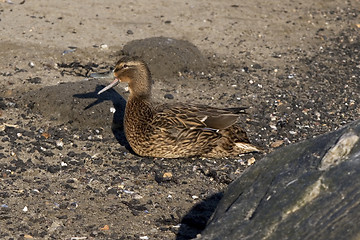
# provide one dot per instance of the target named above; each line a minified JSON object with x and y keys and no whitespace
{"x":179,"y":130}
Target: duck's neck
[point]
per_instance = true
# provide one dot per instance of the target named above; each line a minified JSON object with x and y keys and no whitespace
{"x":140,"y":85}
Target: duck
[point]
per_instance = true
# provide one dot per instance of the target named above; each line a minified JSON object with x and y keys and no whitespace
{"x":176,"y":130}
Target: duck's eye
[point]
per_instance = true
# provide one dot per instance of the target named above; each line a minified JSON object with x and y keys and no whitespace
{"x":126,"y":66}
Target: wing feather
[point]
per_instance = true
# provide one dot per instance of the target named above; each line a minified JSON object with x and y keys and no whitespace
{"x":195,"y":116}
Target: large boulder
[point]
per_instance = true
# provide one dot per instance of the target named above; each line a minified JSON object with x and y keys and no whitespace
{"x":309,"y":190}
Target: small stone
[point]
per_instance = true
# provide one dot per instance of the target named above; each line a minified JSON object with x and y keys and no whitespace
{"x":168,"y":96}
{"x":251,"y":161}
{"x":55,"y":225}
{"x":129,"y":32}
{"x":59,"y":143}
{"x":45,"y":135}
{"x":256,"y":66}
{"x":167,"y":175}
{"x":273,"y":127}
{"x":25,"y":209}
{"x":104,"y":46}
{"x":277,"y":143}
{"x":112,"y":191}
{"x":105,"y":228}
{"x":53,"y":169}
{"x":34,"y":80}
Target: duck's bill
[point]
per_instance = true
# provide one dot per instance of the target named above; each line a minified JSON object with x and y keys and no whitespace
{"x":111,"y":85}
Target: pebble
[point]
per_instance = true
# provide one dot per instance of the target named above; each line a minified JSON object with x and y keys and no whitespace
{"x":177,"y":226}
{"x":256,"y":66}
{"x":105,"y":228}
{"x":277,"y":143}
{"x":104,"y":46}
{"x":251,"y":161}
{"x":168,"y":96}
{"x":128,"y":192}
{"x":59,"y":143}
{"x":35,"y":190}
{"x":72,"y":49}
{"x":273,"y":127}
{"x":35,"y":80}
{"x":291,"y":76}
{"x":167,"y":175}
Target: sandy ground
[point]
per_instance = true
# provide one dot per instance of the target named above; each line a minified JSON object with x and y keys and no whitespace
{"x":66,"y":174}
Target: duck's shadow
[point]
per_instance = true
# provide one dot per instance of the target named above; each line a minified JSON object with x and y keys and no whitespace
{"x":119,"y":104}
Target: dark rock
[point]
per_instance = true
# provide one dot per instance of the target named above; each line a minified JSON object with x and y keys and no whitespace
{"x":308,"y":190}
{"x":257,"y":66}
{"x":35,"y":80}
{"x":112,"y":191}
{"x":97,"y":161}
{"x":18,"y":163}
{"x":169,"y":96}
{"x":167,"y":56}
{"x":54,"y":168}
{"x":84,"y":155}
{"x":71,"y":154}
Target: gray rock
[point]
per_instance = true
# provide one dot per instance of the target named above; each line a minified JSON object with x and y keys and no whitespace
{"x":167,"y":57}
{"x":309,"y":190}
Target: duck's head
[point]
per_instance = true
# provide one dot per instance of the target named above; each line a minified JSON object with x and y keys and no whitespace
{"x":134,"y":72}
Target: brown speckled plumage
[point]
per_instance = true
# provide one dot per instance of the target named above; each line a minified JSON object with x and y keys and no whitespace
{"x":177,"y":130}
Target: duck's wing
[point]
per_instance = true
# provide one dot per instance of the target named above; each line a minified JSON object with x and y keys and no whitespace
{"x":196,"y":116}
